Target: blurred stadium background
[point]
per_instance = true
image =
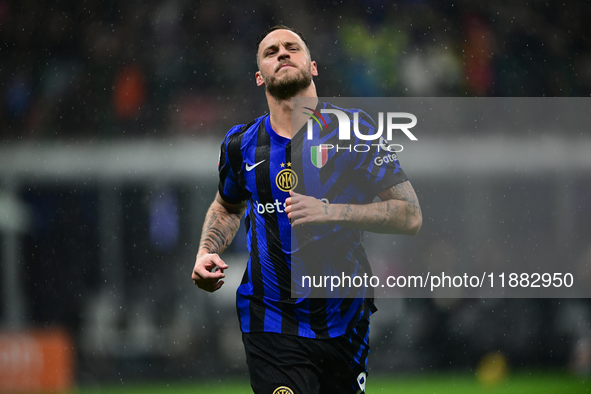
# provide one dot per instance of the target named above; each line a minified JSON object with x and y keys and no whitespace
{"x":111,"y":115}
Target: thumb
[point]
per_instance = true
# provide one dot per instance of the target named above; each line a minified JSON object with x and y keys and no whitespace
{"x":218,"y":262}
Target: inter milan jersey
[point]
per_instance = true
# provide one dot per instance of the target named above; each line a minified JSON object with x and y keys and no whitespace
{"x":260,"y":167}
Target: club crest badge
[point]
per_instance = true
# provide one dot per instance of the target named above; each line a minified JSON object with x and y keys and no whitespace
{"x":283,"y":390}
{"x":286,"y":180}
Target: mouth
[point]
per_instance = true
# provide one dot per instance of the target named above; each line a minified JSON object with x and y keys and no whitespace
{"x":285,"y":65}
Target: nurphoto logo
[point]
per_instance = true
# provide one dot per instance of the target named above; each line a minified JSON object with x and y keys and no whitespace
{"x":345,"y":124}
{"x":319,"y":154}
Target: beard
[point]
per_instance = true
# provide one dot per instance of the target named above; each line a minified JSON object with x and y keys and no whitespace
{"x":288,"y":87}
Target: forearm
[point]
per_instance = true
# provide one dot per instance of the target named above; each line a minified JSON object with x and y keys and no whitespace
{"x":219,"y":228}
{"x":398,"y":212}
{"x":387,"y":217}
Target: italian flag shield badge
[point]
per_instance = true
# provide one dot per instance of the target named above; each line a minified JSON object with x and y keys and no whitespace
{"x":319,"y":155}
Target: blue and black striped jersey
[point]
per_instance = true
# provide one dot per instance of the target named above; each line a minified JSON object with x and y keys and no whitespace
{"x":260,"y":167}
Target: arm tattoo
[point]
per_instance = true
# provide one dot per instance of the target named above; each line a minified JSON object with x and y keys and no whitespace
{"x":347,"y":210}
{"x":219,"y":228}
{"x":403,"y":192}
{"x":398,"y":212}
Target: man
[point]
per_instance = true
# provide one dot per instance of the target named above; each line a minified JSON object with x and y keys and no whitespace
{"x":299,"y":344}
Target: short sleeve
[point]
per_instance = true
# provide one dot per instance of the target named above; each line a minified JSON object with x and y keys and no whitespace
{"x":230,"y":187}
{"x":378,"y":161}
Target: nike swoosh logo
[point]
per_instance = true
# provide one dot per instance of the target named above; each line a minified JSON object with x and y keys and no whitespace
{"x":250,"y":167}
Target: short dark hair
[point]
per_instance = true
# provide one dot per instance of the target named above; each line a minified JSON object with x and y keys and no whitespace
{"x":279,"y":27}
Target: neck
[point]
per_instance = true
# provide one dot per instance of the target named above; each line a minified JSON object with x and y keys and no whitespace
{"x":281,"y":111}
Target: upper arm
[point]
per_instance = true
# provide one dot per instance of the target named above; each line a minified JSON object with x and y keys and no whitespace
{"x":231,"y":185}
{"x":404,"y":192}
{"x":237,"y":209}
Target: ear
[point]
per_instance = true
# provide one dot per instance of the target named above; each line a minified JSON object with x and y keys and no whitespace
{"x":259,"y":78}
{"x":314,"y":69}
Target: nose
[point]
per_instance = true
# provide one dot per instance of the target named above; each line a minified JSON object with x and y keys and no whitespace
{"x":283,"y":53}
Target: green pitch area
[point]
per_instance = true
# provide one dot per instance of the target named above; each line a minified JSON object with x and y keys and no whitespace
{"x":519,"y":383}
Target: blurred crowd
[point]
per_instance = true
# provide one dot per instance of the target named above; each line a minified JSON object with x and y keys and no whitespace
{"x":99,"y":70}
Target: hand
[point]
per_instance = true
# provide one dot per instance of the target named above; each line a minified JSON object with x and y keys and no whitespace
{"x":208,"y":272}
{"x":303,"y":209}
